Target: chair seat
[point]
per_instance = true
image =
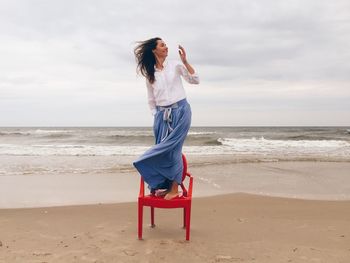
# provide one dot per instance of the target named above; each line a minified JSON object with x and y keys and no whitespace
{"x":160,"y":202}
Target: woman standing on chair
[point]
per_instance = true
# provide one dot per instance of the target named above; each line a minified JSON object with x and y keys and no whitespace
{"x":161,"y":166}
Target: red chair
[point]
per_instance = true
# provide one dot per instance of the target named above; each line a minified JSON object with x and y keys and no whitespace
{"x":153,"y":201}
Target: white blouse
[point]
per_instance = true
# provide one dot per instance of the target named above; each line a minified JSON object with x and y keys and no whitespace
{"x":167,"y":87}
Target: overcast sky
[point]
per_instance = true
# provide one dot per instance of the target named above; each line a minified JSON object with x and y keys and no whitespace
{"x":263,"y":62}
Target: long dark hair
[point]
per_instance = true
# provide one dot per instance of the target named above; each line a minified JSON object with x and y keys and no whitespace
{"x":145,"y":58}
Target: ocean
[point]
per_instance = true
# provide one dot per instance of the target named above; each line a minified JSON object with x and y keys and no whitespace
{"x":52,"y":150}
{"x":279,"y":142}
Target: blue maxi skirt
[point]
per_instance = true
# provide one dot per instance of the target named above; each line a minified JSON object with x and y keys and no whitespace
{"x":162,"y":163}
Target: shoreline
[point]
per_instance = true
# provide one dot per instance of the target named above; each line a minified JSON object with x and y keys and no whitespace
{"x":299,"y":180}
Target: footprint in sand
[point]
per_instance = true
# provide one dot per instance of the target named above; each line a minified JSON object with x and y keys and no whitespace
{"x":129,"y":252}
{"x":164,"y":242}
{"x":89,"y":235}
{"x":41,"y":254}
{"x":148,"y":251}
{"x":105,"y":241}
{"x":225,"y":258}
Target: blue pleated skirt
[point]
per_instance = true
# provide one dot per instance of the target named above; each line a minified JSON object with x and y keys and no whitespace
{"x":162,"y":163}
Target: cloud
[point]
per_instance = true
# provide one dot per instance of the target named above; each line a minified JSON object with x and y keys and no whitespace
{"x":246,"y":52}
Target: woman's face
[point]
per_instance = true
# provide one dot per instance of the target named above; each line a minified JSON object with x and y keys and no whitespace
{"x":161,"y":49}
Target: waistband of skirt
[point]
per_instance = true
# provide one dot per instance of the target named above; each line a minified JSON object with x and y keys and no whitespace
{"x":178,"y":103}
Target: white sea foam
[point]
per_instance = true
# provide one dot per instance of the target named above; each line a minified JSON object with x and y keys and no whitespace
{"x":40,"y":131}
{"x":201,"y":133}
{"x":253,"y":146}
{"x":125,"y":133}
{"x":263,"y":145}
{"x":43,"y":150}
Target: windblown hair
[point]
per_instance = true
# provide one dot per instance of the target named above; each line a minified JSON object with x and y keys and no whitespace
{"x":145,"y":58}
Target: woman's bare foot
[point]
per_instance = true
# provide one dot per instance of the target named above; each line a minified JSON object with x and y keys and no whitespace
{"x":170,"y":195}
{"x":173,"y":192}
{"x":161,"y":192}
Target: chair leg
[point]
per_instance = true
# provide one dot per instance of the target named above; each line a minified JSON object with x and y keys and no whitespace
{"x":184,"y":226}
{"x":188,"y":222}
{"x":140,"y":220}
{"x":152,"y":217}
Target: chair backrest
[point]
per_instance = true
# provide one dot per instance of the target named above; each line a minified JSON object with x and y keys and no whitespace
{"x":184,"y":173}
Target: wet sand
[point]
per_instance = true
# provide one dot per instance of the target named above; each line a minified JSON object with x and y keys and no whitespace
{"x":79,"y":180}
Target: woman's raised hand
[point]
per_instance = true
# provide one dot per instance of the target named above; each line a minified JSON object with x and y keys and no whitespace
{"x":182,"y":54}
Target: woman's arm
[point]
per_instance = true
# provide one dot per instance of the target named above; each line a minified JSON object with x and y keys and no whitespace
{"x":187,"y":71}
{"x":182,"y":54}
{"x":189,"y":67}
{"x":151,"y":98}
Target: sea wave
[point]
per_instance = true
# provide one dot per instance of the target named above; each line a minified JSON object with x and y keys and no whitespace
{"x":311,"y":137}
{"x":14,"y":133}
{"x":201,"y":133}
{"x":38,"y":132}
{"x":233,"y":146}
{"x":268,"y":145}
{"x":41,"y":131}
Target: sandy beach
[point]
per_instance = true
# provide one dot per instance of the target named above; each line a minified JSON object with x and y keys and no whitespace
{"x":261,"y":211}
{"x":225,"y":228}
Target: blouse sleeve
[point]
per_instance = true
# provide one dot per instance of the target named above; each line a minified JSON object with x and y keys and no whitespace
{"x":151,"y":98}
{"x":190,"y":78}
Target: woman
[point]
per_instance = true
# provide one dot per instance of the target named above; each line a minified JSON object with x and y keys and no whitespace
{"x":161,"y":166}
